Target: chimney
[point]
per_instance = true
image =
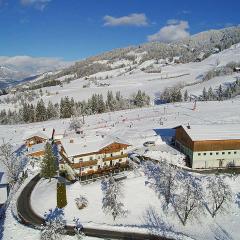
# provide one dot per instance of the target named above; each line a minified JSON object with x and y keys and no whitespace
{"x":71,"y":141}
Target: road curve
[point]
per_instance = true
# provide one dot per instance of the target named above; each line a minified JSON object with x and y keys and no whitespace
{"x":30,"y":218}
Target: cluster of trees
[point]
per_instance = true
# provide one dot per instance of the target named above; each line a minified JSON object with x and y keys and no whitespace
{"x":232,"y":90}
{"x":184,"y":192}
{"x":49,"y":83}
{"x":171,"y":94}
{"x":68,"y":107}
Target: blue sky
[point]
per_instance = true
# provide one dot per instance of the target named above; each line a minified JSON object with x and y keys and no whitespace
{"x":74,"y":29}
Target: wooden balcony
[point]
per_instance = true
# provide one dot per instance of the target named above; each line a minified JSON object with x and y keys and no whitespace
{"x":114,"y":157}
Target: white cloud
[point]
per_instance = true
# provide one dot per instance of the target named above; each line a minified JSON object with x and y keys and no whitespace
{"x":135,"y":19}
{"x":38,"y":4}
{"x":33,"y":65}
{"x":173,"y":31}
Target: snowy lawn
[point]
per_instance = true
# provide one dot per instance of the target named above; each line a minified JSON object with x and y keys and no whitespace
{"x":138,"y":199}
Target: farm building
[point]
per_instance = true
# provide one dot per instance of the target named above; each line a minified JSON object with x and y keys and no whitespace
{"x":209,"y":146}
{"x":36,"y":138}
{"x":94,"y":154}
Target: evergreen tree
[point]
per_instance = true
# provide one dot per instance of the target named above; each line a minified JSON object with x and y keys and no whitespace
{"x":220,"y":93}
{"x":48,"y":165}
{"x":204,"y":94}
{"x":186,"y":96}
{"x":101,"y":104}
{"x":210,"y":94}
{"x":112,"y":195}
{"x":41,"y":113}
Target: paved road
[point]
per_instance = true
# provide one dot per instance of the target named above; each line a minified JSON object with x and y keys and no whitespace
{"x":28,"y":217}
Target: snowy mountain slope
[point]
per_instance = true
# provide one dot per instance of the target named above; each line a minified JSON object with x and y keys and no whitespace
{"x":19,"y":68}
{"x":189,"y":74}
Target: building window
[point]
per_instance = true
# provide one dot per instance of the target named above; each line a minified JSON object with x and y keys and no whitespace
{"x":204,"y":154}
{"x":223,"y":153}
{"x":235,"y":152}
{"x":80,"y":160}
{"x":211,"y":153}
{"x":122,"y":153}
{"x":90,"y":167}
{"x":120,"y":160}
{"x":91,"y":158}
{"x":111,"y":154}
{"x":217,"y":153}
{"x":82,"y":169}
{"x":229,"y":153}
{"x":199,"y":154}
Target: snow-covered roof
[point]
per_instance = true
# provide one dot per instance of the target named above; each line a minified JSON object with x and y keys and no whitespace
{"x":78,"y":146}
{"x":213,"y":132}
{"x":37,"y":134}
{"x":37,"y":148}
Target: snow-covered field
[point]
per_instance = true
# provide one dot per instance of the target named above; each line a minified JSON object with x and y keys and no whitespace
{"x":138,"y":199}
{"x":135,"y":126}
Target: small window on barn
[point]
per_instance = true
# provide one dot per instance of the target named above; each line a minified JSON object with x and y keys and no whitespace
{"x":199,"y":154}
{"x":235,"y":152}
{"x":211,"y":153}
{"x":223,"y":153}
{"x":122,"y":153}
{"x":205,"y":154}
{"x":90,"y":167}
{"x":217,"y":153}
{"x":111,"y":155}
{"x":91,"y":158}
{"x":80,"y":160}
{"x":229,"y":153}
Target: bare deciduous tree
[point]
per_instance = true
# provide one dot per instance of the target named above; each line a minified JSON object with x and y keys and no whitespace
{"x":188,"y":202}
{"x":219,"y":195}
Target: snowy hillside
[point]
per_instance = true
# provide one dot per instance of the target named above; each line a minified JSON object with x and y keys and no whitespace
{"x":14,"y":70}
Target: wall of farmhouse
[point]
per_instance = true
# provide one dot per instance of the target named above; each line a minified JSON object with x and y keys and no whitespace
{"x":214,"y":159}
{"x":107,"y":157}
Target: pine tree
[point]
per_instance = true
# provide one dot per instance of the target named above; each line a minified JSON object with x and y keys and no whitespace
{"x":101,"y":104}
{"x":204,"y":94}
{"x":186,"y":96}
{"x":220,"y":93}
{"x":210,"y":94}
{"x":48,"y":165}
{"x":41,"y":113}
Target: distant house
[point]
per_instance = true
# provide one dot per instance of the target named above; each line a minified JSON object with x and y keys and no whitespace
{"x":237,"y":69}
{"x":36,"y":138}
{"x":201,"y":56}
{"x":209,"y":146}
{"x":95,"y":154}
{"x":37,"y":150}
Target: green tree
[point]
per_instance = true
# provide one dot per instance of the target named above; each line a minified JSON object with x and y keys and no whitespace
{"x":48,"y":165}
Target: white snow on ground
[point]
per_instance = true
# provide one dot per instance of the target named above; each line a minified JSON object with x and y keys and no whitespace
{"x":136,"y":127}
{"x":138,"y":198}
